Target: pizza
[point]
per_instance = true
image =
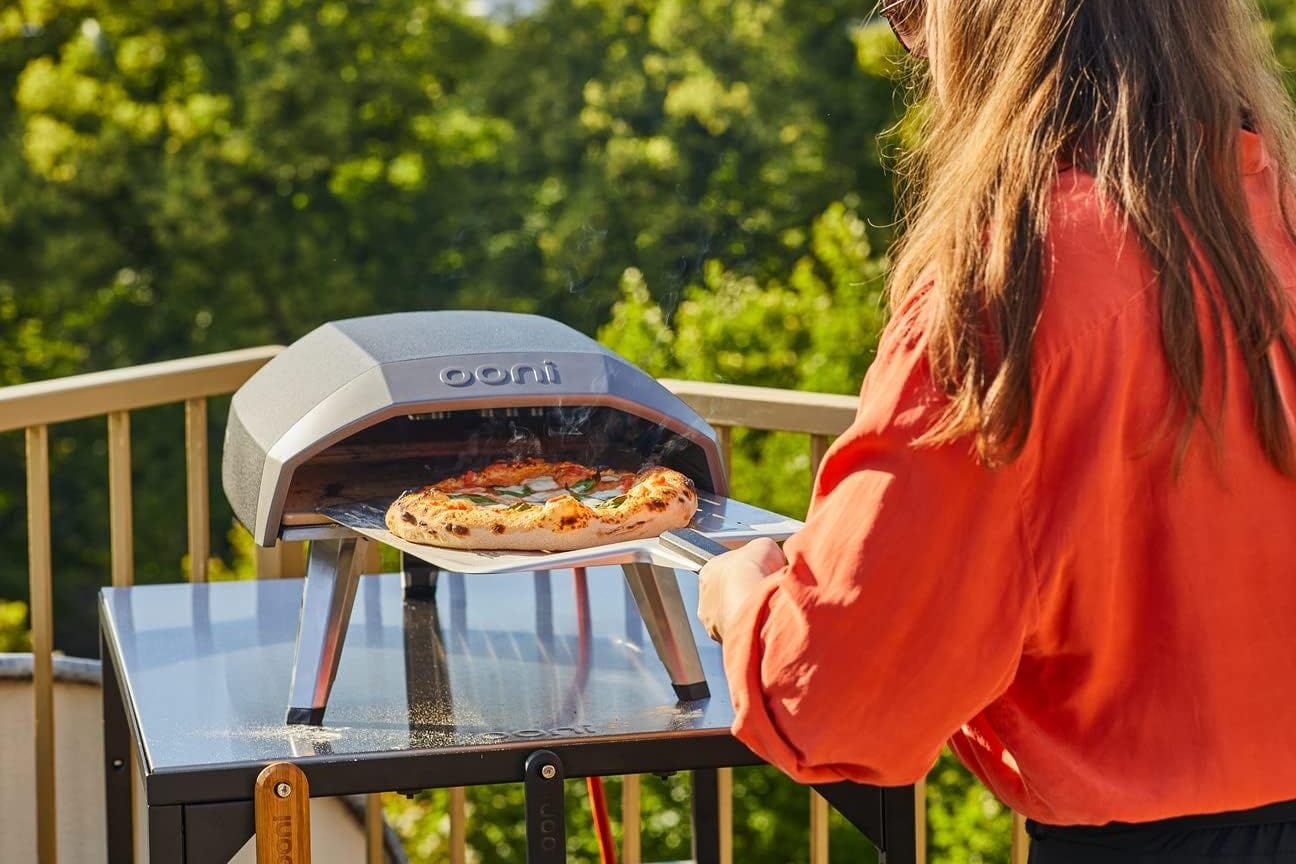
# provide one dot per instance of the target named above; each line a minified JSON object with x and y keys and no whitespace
{"x":542,"y":505}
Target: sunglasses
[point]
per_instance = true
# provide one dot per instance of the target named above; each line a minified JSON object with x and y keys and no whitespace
{"x":906,"y":20}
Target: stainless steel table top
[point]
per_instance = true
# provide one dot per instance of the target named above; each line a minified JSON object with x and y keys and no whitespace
{"x":496,"y":667}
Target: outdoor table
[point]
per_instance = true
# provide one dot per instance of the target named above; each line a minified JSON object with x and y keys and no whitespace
{"x":465,"y":685}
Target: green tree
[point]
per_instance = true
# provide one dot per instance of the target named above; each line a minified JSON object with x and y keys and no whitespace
{"x":199,"y":176}
{"x":662,"y":135}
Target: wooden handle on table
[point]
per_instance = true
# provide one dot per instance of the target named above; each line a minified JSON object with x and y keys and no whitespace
{"x":282,"y":805}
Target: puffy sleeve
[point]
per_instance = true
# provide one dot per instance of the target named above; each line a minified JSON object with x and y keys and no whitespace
{"x":906,"y":600}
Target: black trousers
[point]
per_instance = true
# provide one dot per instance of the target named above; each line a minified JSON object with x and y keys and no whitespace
{"x":1266,"y":835}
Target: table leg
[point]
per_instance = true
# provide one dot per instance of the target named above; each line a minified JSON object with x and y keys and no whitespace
{"x":900,"y":845}
{"x":166,"y":835}
{"x":706,"y":816}
{"x":118,"y":788}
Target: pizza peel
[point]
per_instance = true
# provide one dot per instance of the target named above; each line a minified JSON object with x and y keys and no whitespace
{"x":719,"y":520}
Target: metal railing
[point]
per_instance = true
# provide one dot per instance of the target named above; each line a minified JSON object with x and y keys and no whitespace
{"x":114,"y":394}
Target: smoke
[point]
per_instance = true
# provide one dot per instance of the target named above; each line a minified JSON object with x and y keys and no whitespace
{"x":596,"y":436}
{"x":571,"y":422}
{"x":522,"y":443}
{"x":668,"y":446}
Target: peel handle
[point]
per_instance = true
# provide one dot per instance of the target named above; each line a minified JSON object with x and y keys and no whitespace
{"x":693,"y":545}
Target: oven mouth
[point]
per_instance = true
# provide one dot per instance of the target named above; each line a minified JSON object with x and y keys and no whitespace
{"x":414,"y":450}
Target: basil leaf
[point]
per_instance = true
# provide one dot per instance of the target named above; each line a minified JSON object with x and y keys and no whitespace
{"x":521,"y":505}
{"x":615,"y":502}
{"x":584,"y":485}
{"x":476,"y":499}
{"x":525,"y":492}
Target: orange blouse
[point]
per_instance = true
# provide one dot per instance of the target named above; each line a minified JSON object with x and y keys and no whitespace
{"x":1103,"y":640}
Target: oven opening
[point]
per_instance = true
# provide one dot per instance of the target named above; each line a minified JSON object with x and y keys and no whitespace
{"x":410,"y":451}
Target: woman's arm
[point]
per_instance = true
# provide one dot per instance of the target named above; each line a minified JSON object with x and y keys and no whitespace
{"x":903,"y":606}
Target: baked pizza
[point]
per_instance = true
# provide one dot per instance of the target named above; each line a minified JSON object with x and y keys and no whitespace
{"x":551,"y":506}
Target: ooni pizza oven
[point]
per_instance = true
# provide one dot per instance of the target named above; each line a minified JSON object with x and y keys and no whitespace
{"x":357,"y":411}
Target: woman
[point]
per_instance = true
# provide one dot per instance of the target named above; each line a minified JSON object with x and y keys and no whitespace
{"x":1062,"y":531}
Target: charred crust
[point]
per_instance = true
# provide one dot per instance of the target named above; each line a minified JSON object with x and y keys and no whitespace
{"x":409,"y":517}
{"x":460,"y":530}
{"x":497,"y":528}
{"x":570,"y":521}
{"x":656,"y":504}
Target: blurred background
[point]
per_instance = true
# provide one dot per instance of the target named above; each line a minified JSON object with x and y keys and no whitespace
{"x":698,"y":183}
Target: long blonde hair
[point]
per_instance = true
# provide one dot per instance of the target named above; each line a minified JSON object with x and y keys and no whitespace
{"x":1149,"y":97}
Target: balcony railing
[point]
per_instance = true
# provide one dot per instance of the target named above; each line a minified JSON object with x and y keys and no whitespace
{"x":192,"y":381}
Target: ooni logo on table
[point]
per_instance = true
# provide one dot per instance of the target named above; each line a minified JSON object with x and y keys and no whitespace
{"x":487,"y":373}
{"x":283,"y":843}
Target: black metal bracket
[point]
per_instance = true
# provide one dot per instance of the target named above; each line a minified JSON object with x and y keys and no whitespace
{"x":546,"y":816}
{"x":884,"y":815}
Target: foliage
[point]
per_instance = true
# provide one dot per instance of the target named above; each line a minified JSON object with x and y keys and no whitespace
{"x":13,"y":626}
{"x":816,"y":331}
{"x":770,"y":812}
{"x":1281,"y":16}
{"x":965,"y":823}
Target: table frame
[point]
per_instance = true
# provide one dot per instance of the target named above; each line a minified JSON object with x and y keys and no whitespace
{"x":204,"y":815}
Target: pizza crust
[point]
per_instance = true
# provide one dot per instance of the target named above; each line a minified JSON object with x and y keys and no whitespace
{"x":658,"y":499}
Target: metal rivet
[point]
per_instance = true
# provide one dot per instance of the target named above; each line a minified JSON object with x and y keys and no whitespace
{"x":283,"y":790}
{"x":548,"y":772}
{"x":118,"y":764}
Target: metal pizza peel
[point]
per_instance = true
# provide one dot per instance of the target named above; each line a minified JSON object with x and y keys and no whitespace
{"x":722,"y":521}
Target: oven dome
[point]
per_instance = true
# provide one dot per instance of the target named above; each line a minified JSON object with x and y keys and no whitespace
{"x":348,"y":375}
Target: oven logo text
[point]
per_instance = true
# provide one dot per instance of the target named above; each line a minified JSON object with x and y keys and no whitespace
{"x":518,"y":373}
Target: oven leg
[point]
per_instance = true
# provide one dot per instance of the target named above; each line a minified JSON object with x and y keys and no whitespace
{"x":327,"y":597}
{"x":427,"y":669}
{"x":656,"y":592}
{"x":418,"y":578}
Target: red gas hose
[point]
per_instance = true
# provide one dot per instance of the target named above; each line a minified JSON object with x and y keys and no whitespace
{"x":602,"y":823}
{"x":594,"y":785}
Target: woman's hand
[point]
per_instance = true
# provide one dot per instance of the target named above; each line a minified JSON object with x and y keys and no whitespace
{"x":726,"y":581}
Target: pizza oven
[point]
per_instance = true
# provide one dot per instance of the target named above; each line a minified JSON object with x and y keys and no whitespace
{"x":358,"y":411}
{"x":370,"y":407}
